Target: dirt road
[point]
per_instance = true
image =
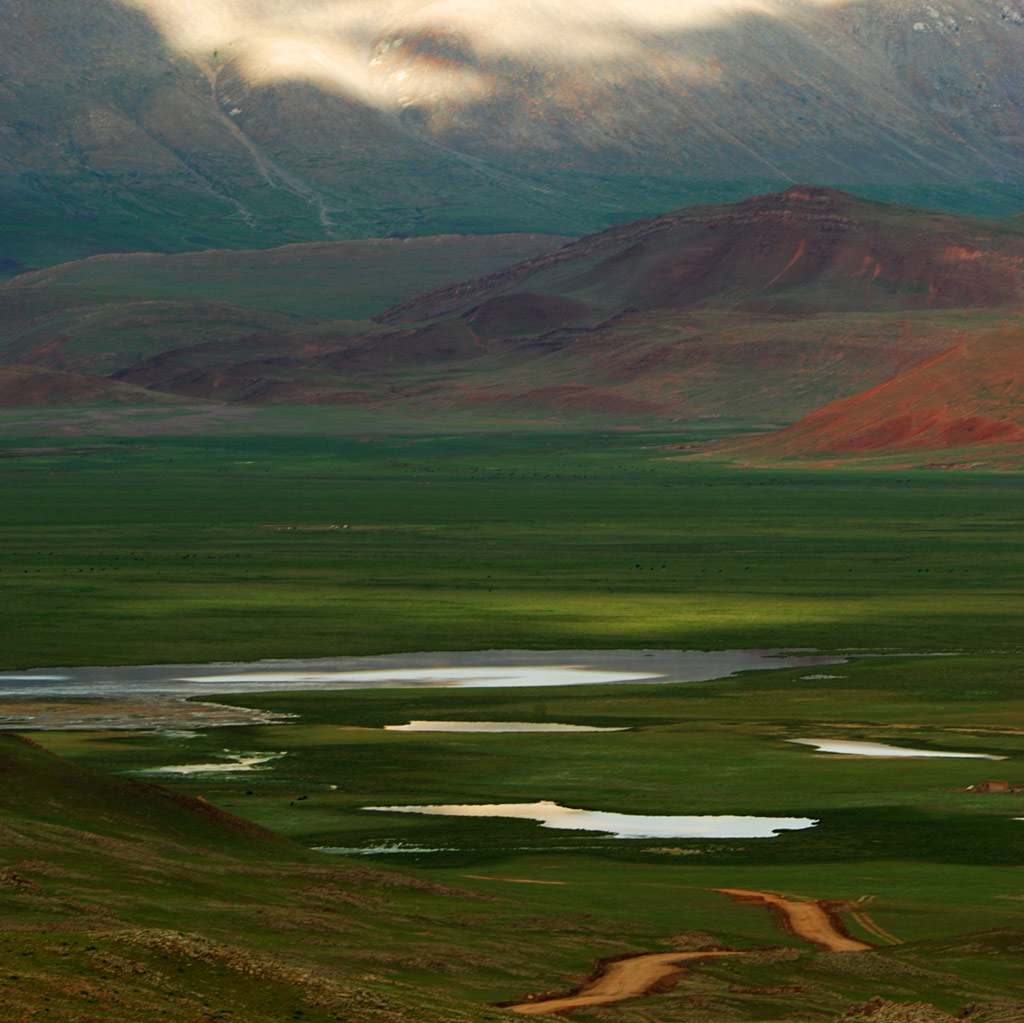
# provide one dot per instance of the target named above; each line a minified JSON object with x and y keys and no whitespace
{"x":510,"y":880}
{"x":816,"y":922}
{"x":619,"y":980}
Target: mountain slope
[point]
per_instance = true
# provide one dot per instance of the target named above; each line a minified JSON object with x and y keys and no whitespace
{"x":969,"y":398}
{"x":123,"y":902}
{"x":166,"y":125}
{"x":803,"y":250}
{"x":763,"y":310}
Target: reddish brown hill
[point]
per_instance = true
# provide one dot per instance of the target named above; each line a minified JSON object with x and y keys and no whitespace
{"x":969,"y":396}
{"x":762,"y":310}
{"x":802,"y":250}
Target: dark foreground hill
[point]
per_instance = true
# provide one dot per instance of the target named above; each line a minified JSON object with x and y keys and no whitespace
{"x":123,"y":902}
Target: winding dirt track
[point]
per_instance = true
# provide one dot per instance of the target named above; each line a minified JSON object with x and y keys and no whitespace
{"x":815,"y":922}
{"x":619,"y":980}
{"x":510,"y":880}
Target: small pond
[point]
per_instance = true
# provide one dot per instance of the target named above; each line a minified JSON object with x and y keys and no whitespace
{"x":233,"y":763}
{"x":879,"y":749}
{"x":618,"y":825}
{"x":494,"y":726}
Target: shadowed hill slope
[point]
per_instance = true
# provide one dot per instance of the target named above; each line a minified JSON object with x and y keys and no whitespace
{"x":29,"y":386}
{"x":123,"y":902}
{"x":48,"y":790}
{"x":99,"y":315}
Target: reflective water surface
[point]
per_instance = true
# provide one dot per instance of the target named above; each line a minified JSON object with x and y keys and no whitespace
{"x":144,"y":696}
{"x":494,"y":726}
{"x":619,"y":825}
{"x":234,"y":763}
{"x":879,"y":749}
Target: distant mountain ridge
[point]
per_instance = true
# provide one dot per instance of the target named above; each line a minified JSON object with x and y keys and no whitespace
{"x":806,"y":249}
{"x":807,"y":304}
{"x":152,"y":124}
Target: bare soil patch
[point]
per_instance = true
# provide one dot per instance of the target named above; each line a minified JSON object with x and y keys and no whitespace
{"x":816,"y":922}
{"x":510,"y":880}
{"x":619,"y":980}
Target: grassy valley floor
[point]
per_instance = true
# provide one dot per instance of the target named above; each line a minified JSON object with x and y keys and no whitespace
{"x":163,"y":549}
{"x":122,"y":903}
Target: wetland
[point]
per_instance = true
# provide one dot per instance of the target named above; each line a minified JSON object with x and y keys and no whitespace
{"x":94,"y":696}
{"x":223,"y":596}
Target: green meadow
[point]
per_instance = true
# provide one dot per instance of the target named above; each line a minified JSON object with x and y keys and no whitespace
{"x":235,"y":547}
{"x":169,"y":549}
{"x":692,"y":748}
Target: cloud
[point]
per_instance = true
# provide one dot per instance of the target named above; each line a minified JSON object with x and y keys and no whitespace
{"x":357,"y":46}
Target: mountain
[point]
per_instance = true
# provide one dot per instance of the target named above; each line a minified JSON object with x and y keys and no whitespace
{"x":881,"y":327}
{"x":96,"y":316}
{"x":804,"y":250}
{"x":968,"y":400}
{"x":761,"y":311}
{"x":170,"y":125}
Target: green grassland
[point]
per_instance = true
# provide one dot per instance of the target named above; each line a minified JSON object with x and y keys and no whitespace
{"x":695,"y":748}
{"x":160,"y":549}
{"x":935,"y":867}
{"x":179,"y":549}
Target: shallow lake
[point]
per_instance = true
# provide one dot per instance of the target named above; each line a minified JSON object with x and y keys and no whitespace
{"x":618,"y":825}
{"x":879,"y":749}
{"x":148,"y":694}
{"x":494,"y":726}
{"x":234,"y":763}
{"x":387,"y":849}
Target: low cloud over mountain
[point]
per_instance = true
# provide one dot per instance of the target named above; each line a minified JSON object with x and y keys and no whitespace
{"x":160,"y":124}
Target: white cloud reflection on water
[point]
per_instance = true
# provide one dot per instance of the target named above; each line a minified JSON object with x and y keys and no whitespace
{"x":879,"y":749}
{"x":619,"y":825}
{"x":154,"y":696}
{"x":457,"y":678}
{"x":495,"y":726}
